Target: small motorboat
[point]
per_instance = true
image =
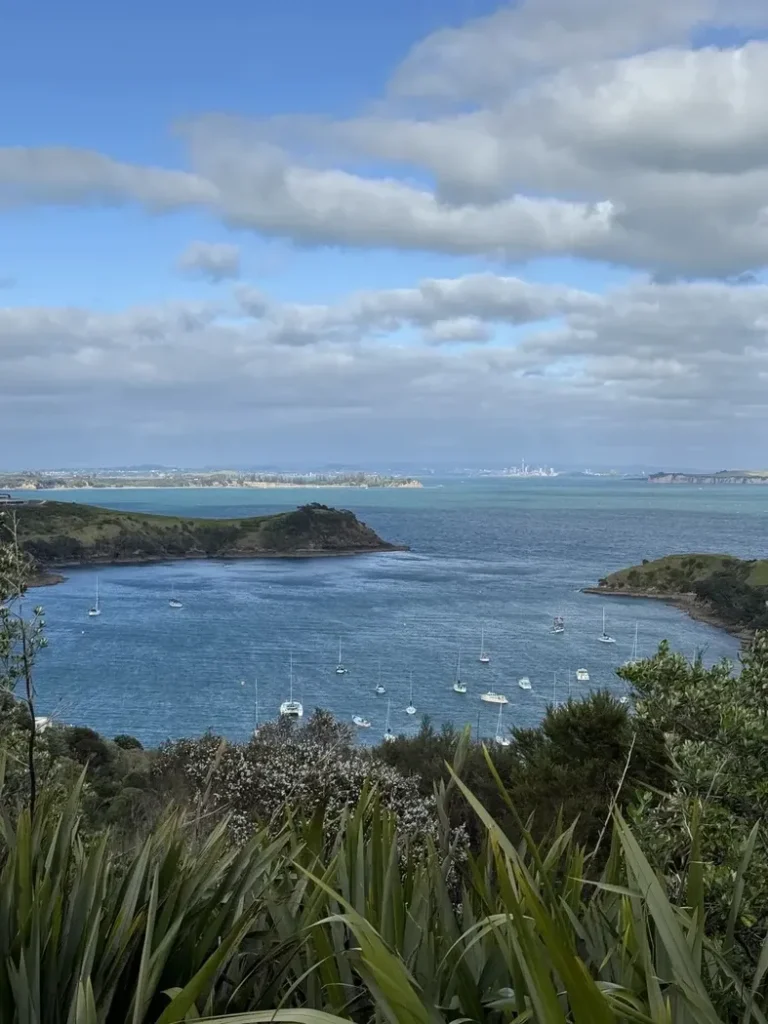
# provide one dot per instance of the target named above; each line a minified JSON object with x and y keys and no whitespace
{"x":524,"y":683}
{"x":491,"y":697}
{"x":361,"y":723}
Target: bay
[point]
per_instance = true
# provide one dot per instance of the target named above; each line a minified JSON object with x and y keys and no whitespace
{"x":504,"y":554}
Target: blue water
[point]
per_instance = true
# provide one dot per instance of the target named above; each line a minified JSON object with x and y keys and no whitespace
{"x":506,"y":554}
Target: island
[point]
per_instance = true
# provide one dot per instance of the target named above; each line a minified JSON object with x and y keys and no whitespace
{"x":60,"y":534}
{"x":728,"y":592}
{"x":723,"y":476}
{"x":57,"y":480}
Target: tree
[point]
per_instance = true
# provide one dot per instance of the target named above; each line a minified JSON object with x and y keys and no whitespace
{"x":20,"y":637}
{"x":715,"y":723}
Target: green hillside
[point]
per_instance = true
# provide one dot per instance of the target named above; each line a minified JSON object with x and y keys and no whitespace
{"x":57,"y":533}
{"x":732,"y":589}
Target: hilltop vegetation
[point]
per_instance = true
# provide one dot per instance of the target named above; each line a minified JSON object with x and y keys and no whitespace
{"x":58,"y":533}
{"x":731,"y":590}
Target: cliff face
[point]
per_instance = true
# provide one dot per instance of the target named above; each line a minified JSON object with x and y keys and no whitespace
{"x":58,"y":533}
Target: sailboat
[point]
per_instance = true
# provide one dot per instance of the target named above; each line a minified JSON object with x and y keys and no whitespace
{"x":389,"y":736}
{"x":458,"y":686}
{"x":501,"y":739}
{"x":484,"y":656}
{"x":411,"y":709}
{"x":558,"y":624}
{"x":633,"y":659}
{"x":174,"y":601}
{"x":292,"y":708}
{"x":524,"y":683}
{"x":340,"y":670}
{"x":604,"y":638}
{"x":380,"y":688}
{"x":96,"y":609}
{"x":256,"y":708}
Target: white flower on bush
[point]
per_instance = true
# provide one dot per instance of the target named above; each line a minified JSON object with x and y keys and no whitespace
{"x":301,"y":767}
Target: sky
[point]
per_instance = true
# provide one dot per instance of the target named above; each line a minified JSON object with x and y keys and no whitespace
{"x":435,"y":232}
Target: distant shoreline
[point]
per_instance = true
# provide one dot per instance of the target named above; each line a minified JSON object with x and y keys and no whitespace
{"x":224,"y":487}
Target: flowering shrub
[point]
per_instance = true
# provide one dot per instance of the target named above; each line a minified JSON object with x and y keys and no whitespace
{"x":295,"y":766}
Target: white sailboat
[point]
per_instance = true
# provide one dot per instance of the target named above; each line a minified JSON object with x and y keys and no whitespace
{"x":174,"y":601}
{"x":411,"y":709}
{"x":340,"y":670}
{"x":458,"y":686}
{"x":380,"y":688}
{"x":292,"y":708}
{"x":501,"y":739}
{"x":524,"y":683}
{"x":255,"y":707}
{"x":604,"y":638}
{"x":484,"y":655}
{"x":96,"y":609}
{"x":492,"y":697}
{"x":633,"y":659}
{"x":582,"y":675}
{"x":389,"y":736}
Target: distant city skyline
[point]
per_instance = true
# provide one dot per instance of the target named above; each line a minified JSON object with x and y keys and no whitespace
{"x":438,"y":232}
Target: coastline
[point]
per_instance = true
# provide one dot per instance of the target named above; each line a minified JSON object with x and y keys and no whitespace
{"x":260,"y":486}
{"x":685,"y":602}
{"x":50,"y":578}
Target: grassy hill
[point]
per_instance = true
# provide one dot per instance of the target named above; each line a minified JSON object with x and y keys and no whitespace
{"x":59,"y":533}
{"x":731,"y":590}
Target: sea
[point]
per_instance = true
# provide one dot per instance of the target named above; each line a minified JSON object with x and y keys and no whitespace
{"x":492,"y":557}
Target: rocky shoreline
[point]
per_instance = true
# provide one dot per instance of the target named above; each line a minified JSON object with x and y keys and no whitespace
{"x":685,"y":602}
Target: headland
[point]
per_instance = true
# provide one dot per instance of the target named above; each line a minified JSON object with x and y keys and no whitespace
{"x":724,"y":591}
{"x":64,"y":534}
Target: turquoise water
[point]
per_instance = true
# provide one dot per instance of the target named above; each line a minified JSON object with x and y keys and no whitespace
{"x":505,"y":554}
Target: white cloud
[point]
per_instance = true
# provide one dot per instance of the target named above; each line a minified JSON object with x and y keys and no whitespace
{"x":593,"y":130}
{"x":655,"y":160}
{"x":217,"y":261}
{"x":484,"y":56}
{"x":461,"y":328}
{"x":672,"y":364}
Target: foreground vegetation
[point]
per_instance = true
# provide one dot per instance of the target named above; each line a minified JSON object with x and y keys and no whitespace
{"x":730,"y":590}
{"x":62,"y":533}
{"x":609,"y":866}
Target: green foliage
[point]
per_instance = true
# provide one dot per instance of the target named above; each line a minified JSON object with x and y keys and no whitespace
{"x":66,"y":533}
{"x":363,"y":929}
{"x":569,"y":765}
{"x":716,"y":726}
{"x":126,"y":742}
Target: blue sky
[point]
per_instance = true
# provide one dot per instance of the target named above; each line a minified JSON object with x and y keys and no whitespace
{"x":561,"y":158}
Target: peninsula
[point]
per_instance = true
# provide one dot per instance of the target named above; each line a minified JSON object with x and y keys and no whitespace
{"x":57,"y":480}
{"x":719,"y":589}
{"x":723,"y":476}
{"x":59,"y":534}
